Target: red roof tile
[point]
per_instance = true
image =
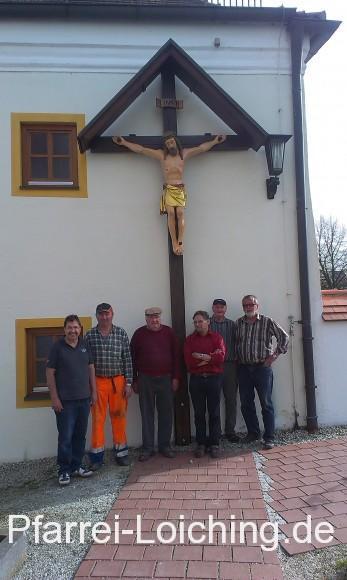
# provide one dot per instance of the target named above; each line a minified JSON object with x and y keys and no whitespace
{"x":334,"y":304}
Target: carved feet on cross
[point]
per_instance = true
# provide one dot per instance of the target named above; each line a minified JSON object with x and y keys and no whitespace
{"x":178,"y":249}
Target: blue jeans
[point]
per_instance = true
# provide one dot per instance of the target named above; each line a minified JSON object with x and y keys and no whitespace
{"x":72,"y":423}
{"x":205,"y":391}
{"x":259,"y":378}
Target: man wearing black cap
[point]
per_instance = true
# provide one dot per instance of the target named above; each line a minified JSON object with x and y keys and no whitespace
{"x":109,"y":345}
{"x":225,"y":327}
{"x":156,"y":361}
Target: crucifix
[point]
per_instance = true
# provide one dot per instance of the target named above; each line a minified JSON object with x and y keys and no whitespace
{"x":172,"y":158}
{"x":171,"y":61}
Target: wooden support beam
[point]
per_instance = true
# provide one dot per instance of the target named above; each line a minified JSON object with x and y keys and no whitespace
{"x":182,"y":404}
{"x":232,"y":143}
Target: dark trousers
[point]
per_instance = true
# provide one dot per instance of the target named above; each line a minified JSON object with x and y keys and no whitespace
{"x":257,"y":378}
{"x":156,"y":391}
{"x":72,"y":423}
{"x":205,"y":391}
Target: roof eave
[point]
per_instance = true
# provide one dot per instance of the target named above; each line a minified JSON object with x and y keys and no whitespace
{"x":319,"y":31}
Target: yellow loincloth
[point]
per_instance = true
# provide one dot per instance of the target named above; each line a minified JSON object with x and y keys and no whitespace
{"x":174,"y":196}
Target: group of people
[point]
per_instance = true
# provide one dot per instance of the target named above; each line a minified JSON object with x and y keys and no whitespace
{"x":103,"y":369}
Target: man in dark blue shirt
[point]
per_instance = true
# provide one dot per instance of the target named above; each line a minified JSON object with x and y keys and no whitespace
{"x":71,"y":382}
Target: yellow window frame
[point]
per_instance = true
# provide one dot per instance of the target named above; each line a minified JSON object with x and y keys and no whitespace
{"x":17,"y":187}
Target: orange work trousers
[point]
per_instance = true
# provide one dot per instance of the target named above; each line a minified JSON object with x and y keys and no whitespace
{"x":110,"y":391}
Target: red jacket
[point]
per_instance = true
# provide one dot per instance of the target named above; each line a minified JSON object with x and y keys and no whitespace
{"x":213,"y":344}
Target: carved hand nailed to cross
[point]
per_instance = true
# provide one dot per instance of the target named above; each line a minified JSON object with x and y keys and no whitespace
{"x":172,"y":158}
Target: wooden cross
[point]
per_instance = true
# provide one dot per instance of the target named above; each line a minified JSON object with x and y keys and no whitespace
{"x":171,"y":61}
{"x":182,"y":405}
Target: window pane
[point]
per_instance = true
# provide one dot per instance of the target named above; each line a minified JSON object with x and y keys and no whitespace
{"x":39,"y":167}
{"x":39,"y":143}
{"x":61,"y":144}
{"x":41,"y":373}
{"x":61,"y":168}
{"x":43,"y":345}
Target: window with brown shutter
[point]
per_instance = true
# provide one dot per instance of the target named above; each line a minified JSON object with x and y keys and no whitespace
{"x":49,"y":155}
{"x":38,"y":344}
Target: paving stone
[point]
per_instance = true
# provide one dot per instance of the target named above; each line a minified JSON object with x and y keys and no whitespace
{"x":234,"y":571}
{"x":85,"y":568}
{"x":158,"y":552}
{"x":188,"y":553}
{"x":337,"y":508}
{"x":217,"y":553}
{"x":171,"y":569}
{"x":292,"y":548}
{"x":133,"y":552}
{"x":266,"y":572}
{"x":341,"y":535}
{"x":201,"y":570}
{"x":142,"y":569}
{"x":247,"y":554}
{"x":111,"y":569}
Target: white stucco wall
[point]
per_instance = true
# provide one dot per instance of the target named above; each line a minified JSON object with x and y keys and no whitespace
{"x":66,"y":255}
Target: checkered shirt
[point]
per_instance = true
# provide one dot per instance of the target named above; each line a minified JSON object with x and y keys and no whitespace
{"x":111,"y":354}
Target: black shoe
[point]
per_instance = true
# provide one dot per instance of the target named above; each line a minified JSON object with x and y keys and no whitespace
{"x":167,"y":452}
{"x":199,"y":451}
{"x":145,"y":455}
{"x":250,"y":438}
{"x":123,"y":461}
{"x":214,"y":451}
{"x":269,"y":444}
{"x":233,"y":438}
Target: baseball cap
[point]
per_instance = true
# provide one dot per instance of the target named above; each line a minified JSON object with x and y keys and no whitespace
{"x":154,"y":311}
{"x":103,"y":307}
{"x":220,"y":301}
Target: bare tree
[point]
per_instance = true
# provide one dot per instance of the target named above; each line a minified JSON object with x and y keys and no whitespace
{"x":332,"y":253}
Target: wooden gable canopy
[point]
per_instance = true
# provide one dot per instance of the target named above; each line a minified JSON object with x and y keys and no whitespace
{"x":171,"y":57}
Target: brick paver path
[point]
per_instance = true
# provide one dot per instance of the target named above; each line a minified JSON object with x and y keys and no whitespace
{"x":306,"y":479}
{"x":181,"y":491}
{"x":309,"y":479}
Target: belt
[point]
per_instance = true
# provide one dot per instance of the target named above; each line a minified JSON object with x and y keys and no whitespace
{"x":204,"y":375}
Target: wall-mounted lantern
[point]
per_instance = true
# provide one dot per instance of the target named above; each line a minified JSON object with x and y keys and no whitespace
{"x":274,"y":148}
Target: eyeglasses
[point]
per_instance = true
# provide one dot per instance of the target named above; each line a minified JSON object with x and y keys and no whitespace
{"x":249,"y":304}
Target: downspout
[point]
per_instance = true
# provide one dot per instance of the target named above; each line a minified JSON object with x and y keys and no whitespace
{"x":297,"y":36}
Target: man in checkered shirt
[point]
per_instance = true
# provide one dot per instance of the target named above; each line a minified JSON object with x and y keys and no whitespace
{"x":109,"y":345}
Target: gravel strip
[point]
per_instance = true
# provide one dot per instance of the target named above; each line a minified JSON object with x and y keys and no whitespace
{"x":31,"y":488}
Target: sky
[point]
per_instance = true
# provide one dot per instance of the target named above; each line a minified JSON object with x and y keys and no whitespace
{"x":326,"y":109}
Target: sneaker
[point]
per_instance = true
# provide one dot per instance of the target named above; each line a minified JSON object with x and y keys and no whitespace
{"x":199,"y":451}
{"x":214,"y":451}
{"x":250,"y":438}
{"x":168,"y":452}
{"x":268,"y":445}
{"x":233,"y":438}
{"x":82,"y":472}
{"x":123,"y":461}
{"x":145,"y":455}
{"x":64,"y":479}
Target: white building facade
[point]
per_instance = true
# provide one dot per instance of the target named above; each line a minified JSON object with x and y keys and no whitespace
{"x":64,"y":252}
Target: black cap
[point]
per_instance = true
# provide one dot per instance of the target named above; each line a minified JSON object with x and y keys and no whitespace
{"x":103,"y":307}
{"x":220,"y":301}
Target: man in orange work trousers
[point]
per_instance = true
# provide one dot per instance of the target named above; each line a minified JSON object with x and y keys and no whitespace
{"x":109,"y":345}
